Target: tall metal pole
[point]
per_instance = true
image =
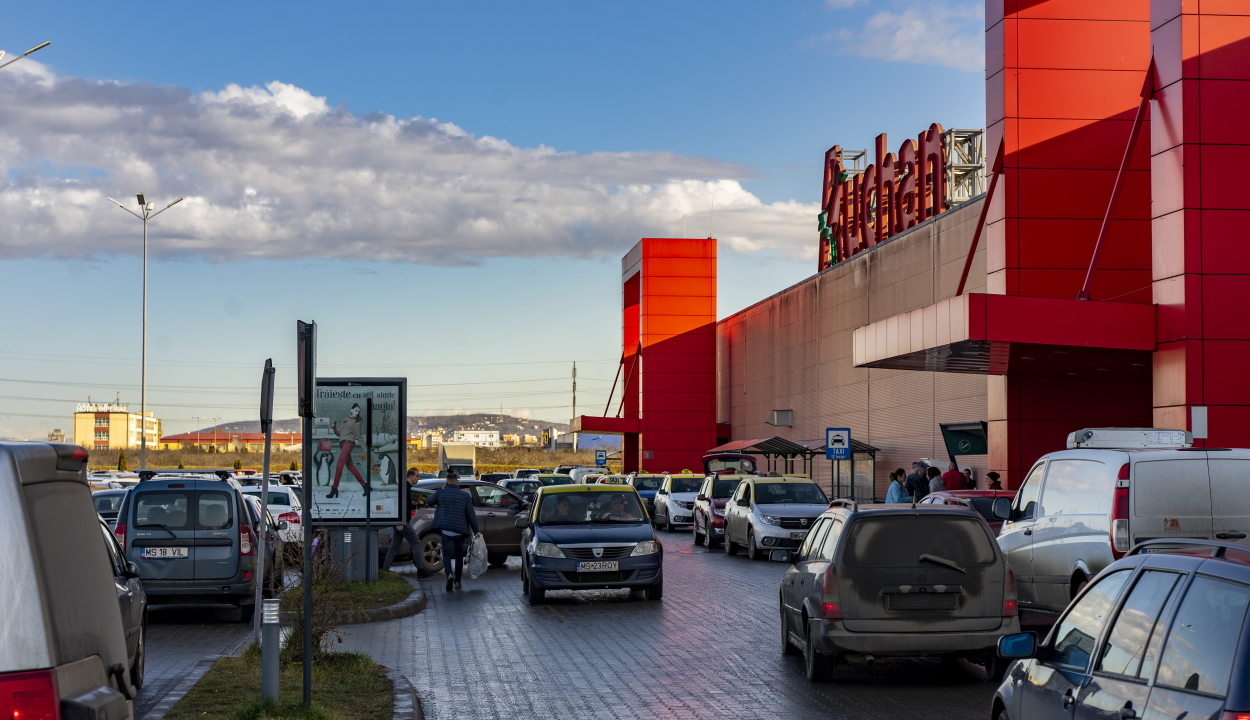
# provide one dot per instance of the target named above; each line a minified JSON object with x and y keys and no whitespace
{"x":574,"y":402}
{"x":307,"y":392}
{"x":143,"y":387}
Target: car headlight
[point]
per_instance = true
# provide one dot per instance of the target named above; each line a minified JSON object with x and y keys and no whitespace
{"x":718,"y":512}
{"x":770,"y":519}
{"x":646,"y":547}
{"x":543,"y":549}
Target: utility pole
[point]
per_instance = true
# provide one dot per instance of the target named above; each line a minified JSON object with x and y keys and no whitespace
{"x":574,"y":402}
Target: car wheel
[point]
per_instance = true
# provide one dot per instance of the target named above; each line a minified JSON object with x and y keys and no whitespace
{"x":668,"y":524}
{"x":536,"y":594}
{"x":136,"y":668}
{"x":731,"y":547}
{"x":654,"y":592}
{"x":712,"y":542}
{"x":525,"y":579}
{"x":995,"y":667}
{"x":431,"y":556}
{"x":816,"y":667}
{"x":698,"y":536}
{"x":787,"y":647}
{"x":753,"y":550}
{"x":246,"y":612}
{"x":497,"y":561}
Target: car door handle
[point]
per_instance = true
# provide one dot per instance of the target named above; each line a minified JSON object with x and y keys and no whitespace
{"x":1027,"y":532}
{"x":490,"y":514}
{"x":1234,"y":535}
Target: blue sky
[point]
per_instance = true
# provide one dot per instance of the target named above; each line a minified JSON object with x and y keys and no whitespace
{"x":564,"y":132}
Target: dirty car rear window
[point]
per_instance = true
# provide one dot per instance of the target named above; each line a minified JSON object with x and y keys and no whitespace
{"x":900,"y":540}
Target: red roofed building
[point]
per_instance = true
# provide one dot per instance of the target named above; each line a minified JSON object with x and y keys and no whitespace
{"x":223,"y":441}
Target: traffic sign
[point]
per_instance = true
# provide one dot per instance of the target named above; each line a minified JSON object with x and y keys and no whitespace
{"x":601,"y":457}
{"x":837,"y":443}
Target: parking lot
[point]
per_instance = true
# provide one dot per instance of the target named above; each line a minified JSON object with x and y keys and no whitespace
{"x":709,"y":649}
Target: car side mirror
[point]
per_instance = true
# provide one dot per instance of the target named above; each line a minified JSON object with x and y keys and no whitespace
{"x":1002,"y":508}
{"x":522,"y":522}
{"x":701,"y":498}
{"x":743,"y":502}
{"x":1019,"y":646}
{"x":781,"y":556}
{"x":132,"y":570}
{"x":661,"y":492}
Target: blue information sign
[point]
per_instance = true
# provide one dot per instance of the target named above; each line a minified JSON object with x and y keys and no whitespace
{"x":601,"y":457}
{"x":837,"y":443}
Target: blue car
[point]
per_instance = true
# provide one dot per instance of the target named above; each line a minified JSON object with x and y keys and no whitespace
{"x":192,"y":538}
{"x":647,"y":486}
{"x":589,"y":537}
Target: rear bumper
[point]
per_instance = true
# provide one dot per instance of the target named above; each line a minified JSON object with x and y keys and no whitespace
{"x":193,"y":591}
{"x":834,"y":639}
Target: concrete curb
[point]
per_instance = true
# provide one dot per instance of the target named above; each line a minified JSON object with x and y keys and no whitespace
{"x":407,"y":704}
{"x":411,"y":606}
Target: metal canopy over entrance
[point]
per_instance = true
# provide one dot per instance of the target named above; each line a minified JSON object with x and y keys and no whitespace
{"x":853,"y":477}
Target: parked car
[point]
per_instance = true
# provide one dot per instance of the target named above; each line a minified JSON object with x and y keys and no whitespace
{"x":525,"y":487}
{"x":495,"y":477}
{"x":552,"y":479}
{"x":66,"y":651}
{"x":132,"y":602}
{"x":585,"y":537}
{"x":612,"y":480}
{"x":766,"y":513}
{"x":286,"y":506}
{"x":1078,"y":510}
{"x":496,"y":509}
{"x":980,"y":500}
{"x":647,"y":485}
{"x":107,"y":503}
{"x":674,"y":501}
{"x":1160,"y":633}
{"x":890,"y":580}
{"x":192,"y":539}
{"x":582,"y":474}
{"x":526,"y":472}
{"x":273,"y":568}
{"x":709,"y":508}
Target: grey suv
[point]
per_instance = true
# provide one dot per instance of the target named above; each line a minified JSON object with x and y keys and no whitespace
{"x":893,"y":580}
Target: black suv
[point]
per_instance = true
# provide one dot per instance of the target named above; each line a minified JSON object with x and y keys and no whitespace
{"x":1159,"y":633}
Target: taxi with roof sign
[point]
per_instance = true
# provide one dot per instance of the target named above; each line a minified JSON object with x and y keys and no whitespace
{"x":589,"y":537}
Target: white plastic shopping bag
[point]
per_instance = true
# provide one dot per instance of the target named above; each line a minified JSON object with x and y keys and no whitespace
{"x":477,"y":557}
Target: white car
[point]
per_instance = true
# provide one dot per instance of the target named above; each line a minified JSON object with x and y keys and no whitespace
{"x":674,"y":501}
{"x":770,"y":513}
{"x":284,"y":504}
{"x":580,"y":474}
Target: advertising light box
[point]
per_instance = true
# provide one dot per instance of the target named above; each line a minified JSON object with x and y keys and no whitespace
{"x":346,"y":478}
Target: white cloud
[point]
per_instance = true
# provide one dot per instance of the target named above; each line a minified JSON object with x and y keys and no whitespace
{"x":275,"y":172}
{"x":840,"y":4}
{"x":919,"y":32}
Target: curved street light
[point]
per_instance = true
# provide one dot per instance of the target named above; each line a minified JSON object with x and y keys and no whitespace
{"x":146,"y":208}
{"x":40,"y":46}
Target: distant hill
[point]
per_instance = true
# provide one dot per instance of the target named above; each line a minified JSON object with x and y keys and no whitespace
{"x":505,"y":424}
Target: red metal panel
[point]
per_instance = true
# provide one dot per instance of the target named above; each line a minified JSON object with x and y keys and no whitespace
{"x":1224,"y":247}
{"x":1224,"y":376}
{"x":1225,"y":105}
{"x":1083,"y":45}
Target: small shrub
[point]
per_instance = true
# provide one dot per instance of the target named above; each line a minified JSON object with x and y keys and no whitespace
{"x":238,"y":464}
{"x":180,"y":465}
{"x":294,"y":466}
{"x":121,"y":460}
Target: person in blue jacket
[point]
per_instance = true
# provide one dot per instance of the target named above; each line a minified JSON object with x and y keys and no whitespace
{"x":455,"y":518}
{"x":898,"y":491}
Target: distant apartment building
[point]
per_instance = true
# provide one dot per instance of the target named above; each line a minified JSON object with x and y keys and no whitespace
{"x":111,"y":426}
{"x":513,"y":440}
{"x":221,"y":441}
{"x":481,"y":438}
{"x":530,"y":440}
{"x":429,"y":441}
{"x":56,"y":436}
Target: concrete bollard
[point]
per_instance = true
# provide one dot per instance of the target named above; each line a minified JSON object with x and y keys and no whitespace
{"x":270,"y":650}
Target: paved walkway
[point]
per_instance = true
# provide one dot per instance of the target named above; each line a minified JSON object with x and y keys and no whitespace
{"x":178,"y":639}
{"x":709,"y":649}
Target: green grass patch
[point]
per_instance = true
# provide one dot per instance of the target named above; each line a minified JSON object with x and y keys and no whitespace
{"x":355,"y":596}
{"x":346,"y":686}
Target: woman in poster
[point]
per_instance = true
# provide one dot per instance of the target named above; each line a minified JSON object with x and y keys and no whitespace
{"x":348,"y":431}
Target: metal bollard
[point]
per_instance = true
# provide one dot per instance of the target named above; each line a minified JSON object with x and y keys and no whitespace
{"x":270,"y":649}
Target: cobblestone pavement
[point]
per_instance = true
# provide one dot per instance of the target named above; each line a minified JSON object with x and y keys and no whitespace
{"x":180,"y":637}
{"x":709,"y":649}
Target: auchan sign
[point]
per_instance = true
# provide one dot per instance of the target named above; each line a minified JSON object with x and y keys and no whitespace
{"x":894,"y":193}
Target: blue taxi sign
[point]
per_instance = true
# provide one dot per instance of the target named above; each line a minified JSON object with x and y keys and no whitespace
{"x":837,"y":443}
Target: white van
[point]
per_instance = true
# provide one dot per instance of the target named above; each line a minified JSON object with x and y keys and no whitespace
{"x":1079,"y":510}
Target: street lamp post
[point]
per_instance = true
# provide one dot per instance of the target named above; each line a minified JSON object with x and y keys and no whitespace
{"x":40,"y":46}
{"x":146,"y":208}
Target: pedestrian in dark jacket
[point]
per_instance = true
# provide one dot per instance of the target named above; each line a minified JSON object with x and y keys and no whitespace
{"x":455,"y":518}
{"x":406,"y":532}
{"x":918,"y":481}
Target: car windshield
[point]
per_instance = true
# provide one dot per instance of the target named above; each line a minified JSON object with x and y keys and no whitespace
{"x":585,"y":508}
{"x":494,"y":477}
{"x":647,"y":483}
{"x":555,"y":479}
{"x":908,"y":541}
{"x":767,"y":493}
{"x":108,"y":503}
{"x":525,"y":473}
{"x":686,"y":484}
{"x":724,"y":488}
{"x":524,"y":487}
{"x":274,"y":498}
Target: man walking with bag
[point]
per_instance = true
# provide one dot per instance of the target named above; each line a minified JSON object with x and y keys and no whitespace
{"x":455,"y":518}
{"x":405,"y":532}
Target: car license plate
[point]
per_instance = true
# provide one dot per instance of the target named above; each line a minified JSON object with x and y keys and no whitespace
{"x":163,"y":553}
{"x":600,"y":566}
{"x":798,"y":535}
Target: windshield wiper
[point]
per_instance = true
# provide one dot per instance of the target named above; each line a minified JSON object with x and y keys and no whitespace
{"x":942,"y":561}
{"x":172,"y":534}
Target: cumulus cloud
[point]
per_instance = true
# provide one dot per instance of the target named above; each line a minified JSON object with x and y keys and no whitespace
{"x":275,"y":172}
{"x":917,"y":32}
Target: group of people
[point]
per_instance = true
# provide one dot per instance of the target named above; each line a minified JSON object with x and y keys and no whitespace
{"x":456,"y":521}
{"x":925,"y":479}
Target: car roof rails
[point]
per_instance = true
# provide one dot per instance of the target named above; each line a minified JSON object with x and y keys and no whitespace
{"x":1218,"y":547}
{"x":964,"y":502}
{"x":146,"y":475}
{"x":845,"y":503}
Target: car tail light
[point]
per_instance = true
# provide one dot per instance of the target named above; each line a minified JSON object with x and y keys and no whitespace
{"x":289,"y":517}
{"x":29,"y":696}
{"x":247,"y":543}
{"x":1011,"y":605}
{"x":1233,"y":715}
{"x":1119,"y":521}
{"x":830,"y":602}
{"x":119,"y":532}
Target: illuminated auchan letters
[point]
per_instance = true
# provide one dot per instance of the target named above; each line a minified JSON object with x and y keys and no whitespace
{"x":889,"y":196}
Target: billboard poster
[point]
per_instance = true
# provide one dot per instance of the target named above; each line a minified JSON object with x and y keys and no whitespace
{"x":344,"y":483}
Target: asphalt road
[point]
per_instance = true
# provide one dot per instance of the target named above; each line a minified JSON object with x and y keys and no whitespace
{"x":709,"y":649}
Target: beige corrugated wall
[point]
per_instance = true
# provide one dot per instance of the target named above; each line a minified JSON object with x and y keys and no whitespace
{"x":792,"y":351}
